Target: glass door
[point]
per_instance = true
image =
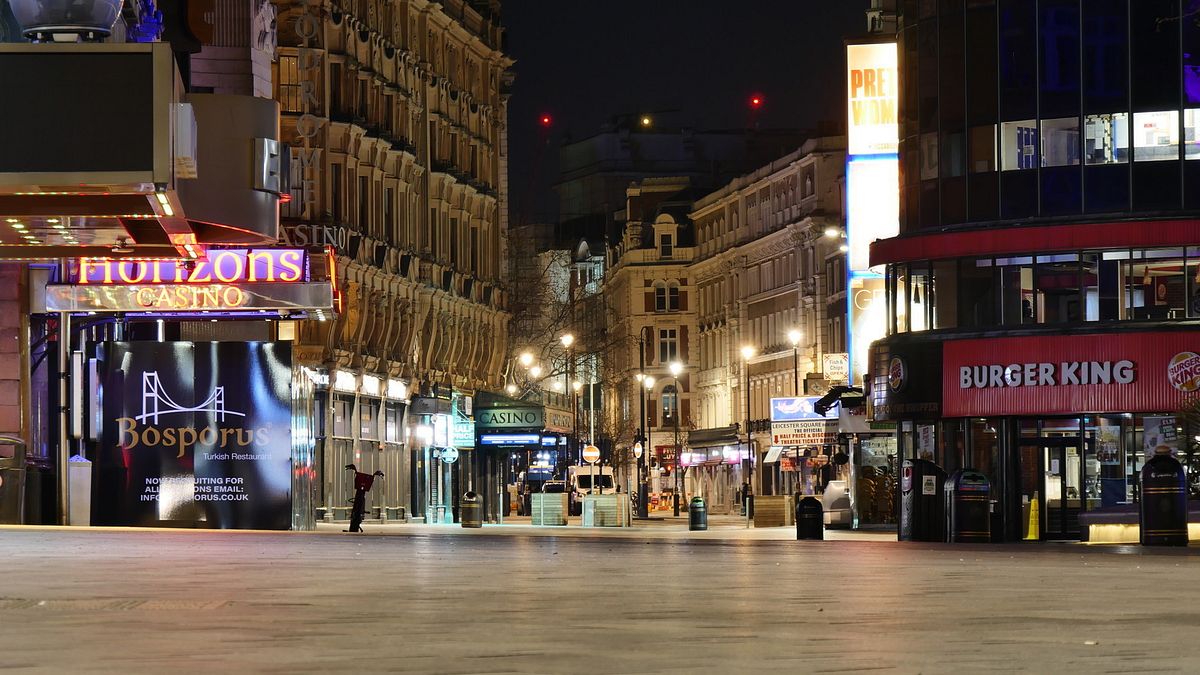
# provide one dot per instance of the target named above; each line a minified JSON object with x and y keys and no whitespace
{"x":1062,"y":484}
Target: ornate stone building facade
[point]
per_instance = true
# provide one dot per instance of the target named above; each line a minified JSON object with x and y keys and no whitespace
{"x":395,"y":114}
{"x":761,"y":272}
{"x":649,"y":298}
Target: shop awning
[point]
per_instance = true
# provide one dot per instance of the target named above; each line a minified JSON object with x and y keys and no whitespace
{"x":711,"y":438}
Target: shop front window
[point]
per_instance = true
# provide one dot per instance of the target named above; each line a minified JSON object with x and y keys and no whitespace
{"x":1156,"y":285}
{"x":1058,"y":297}
{"x":920,"y":297}
{"x":943,"y":294}
{"x":976,"y":293}
{"x":1016,"y":290}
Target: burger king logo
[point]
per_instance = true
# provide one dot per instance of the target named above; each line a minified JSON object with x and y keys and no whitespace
{"x":898,"y":373}
{"x":1184,"y":371}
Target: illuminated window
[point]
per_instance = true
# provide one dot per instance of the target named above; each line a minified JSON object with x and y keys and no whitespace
{"x":1106,"y":138}
{"x":1060,"y":142}
{"x":1156,"y":136}
{"x":1191,"y":133}
{"x":1018,"y":145}
{"x":668,"y":345}
{"x":289,"y":85}
{"x":670,"y":403}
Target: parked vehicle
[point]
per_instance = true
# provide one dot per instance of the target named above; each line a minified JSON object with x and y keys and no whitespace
{"x":580,"y":478}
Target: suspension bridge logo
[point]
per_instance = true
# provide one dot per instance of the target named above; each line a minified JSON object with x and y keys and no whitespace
{"x":156,"y":402}
{"x":143,"y":430}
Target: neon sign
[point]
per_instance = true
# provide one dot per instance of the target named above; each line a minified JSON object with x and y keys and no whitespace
{"x":174,"y":298}
{"x":226,"y":266}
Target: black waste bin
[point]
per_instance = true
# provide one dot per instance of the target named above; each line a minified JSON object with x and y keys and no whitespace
{"x":471,"y":510}
{"x":810,"y":519}
{"x":1163,"y":515}
{"x":922,"y":501}
{"x":12,"y":482}
{"x":968,"y":507}
{"x":697,"y":514}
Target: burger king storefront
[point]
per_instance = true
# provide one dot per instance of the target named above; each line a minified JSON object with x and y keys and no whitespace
{"x":1060,"y":423}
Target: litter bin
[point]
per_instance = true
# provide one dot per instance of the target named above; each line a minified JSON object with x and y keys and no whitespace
{"x":968,"y":507}
{"x":810,"y":519}
{"x":12,"y":481}
{"x":922,"y":501}
{"x":1163,"y":509}
{"x":697,"y":514}
{"x":471,"y":510}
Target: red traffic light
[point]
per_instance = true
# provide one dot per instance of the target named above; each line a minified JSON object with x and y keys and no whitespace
{"x":545,"y":120}
{"x":756,"y":101}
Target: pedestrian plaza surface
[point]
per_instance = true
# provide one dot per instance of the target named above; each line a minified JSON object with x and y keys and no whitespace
{"x":655,"y":598}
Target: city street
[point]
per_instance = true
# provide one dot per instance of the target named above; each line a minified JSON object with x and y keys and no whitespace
{"x":497,"y":600}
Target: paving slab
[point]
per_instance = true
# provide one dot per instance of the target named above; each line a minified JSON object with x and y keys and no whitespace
{"x":431,"y":600}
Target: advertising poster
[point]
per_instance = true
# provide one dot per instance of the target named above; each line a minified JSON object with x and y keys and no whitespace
{"x":1156,"y":432}
{"x":195,"y":434}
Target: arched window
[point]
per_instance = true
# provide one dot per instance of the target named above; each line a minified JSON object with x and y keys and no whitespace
{"x":666,"y":296}
{"x":660,"y":296}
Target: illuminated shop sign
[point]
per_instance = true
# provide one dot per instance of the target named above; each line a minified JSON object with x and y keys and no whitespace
{"x":188,"y":298}
{"x":1069,"y":374}
{"x":871,"y":86}
{"x":226,"y":280}
{"x":510,"y":418}
{"x":509,"y":439}
{"x":231,"y":266}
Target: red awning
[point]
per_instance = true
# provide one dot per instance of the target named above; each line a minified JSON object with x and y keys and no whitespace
{"x":1035,"y":239}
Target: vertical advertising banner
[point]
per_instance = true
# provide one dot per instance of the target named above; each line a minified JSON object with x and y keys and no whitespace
{"x":195,"y":434}
{"x":872,"y":186}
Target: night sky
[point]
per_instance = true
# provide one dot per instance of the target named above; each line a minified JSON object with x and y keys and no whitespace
{"x":585,"y":62}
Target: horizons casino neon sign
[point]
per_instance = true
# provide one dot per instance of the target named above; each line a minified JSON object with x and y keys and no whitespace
{"x":228,"y":279}
{"x":232,"y":266}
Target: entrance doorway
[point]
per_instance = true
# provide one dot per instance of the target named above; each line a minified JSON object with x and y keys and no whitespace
{"x":1059,"y":485}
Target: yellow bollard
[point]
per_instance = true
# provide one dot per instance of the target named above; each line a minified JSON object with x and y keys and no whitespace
{"x":1032,"y":532}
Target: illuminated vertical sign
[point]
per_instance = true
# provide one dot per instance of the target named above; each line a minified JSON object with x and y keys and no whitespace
{"x":872,"y":187}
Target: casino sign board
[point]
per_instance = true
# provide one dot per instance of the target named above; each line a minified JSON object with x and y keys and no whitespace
{"x":228,"y":280}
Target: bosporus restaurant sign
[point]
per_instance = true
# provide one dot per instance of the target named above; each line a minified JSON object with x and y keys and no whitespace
{"x":195,"y":434}
{"x":1070,"y":374}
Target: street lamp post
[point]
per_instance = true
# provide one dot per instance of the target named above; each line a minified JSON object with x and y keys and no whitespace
{"x":644,"y":500}
{"x":643,"y":496}
{"x":676,"y":368}
{"x":747,"y":497}
{"x":567,"y":340}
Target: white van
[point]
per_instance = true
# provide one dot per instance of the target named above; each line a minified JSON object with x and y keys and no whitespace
{"x":580,"y":480}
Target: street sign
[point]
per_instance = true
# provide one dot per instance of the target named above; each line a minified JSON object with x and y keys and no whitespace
{"x":637,"y":450}
{"x":591,"y":454}
{"x":449,"y":455}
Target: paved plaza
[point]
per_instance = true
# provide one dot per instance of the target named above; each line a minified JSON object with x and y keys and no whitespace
{"x":653,"y":599}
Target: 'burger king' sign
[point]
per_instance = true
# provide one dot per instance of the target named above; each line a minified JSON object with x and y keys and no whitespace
{"x":1184,"y":371}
